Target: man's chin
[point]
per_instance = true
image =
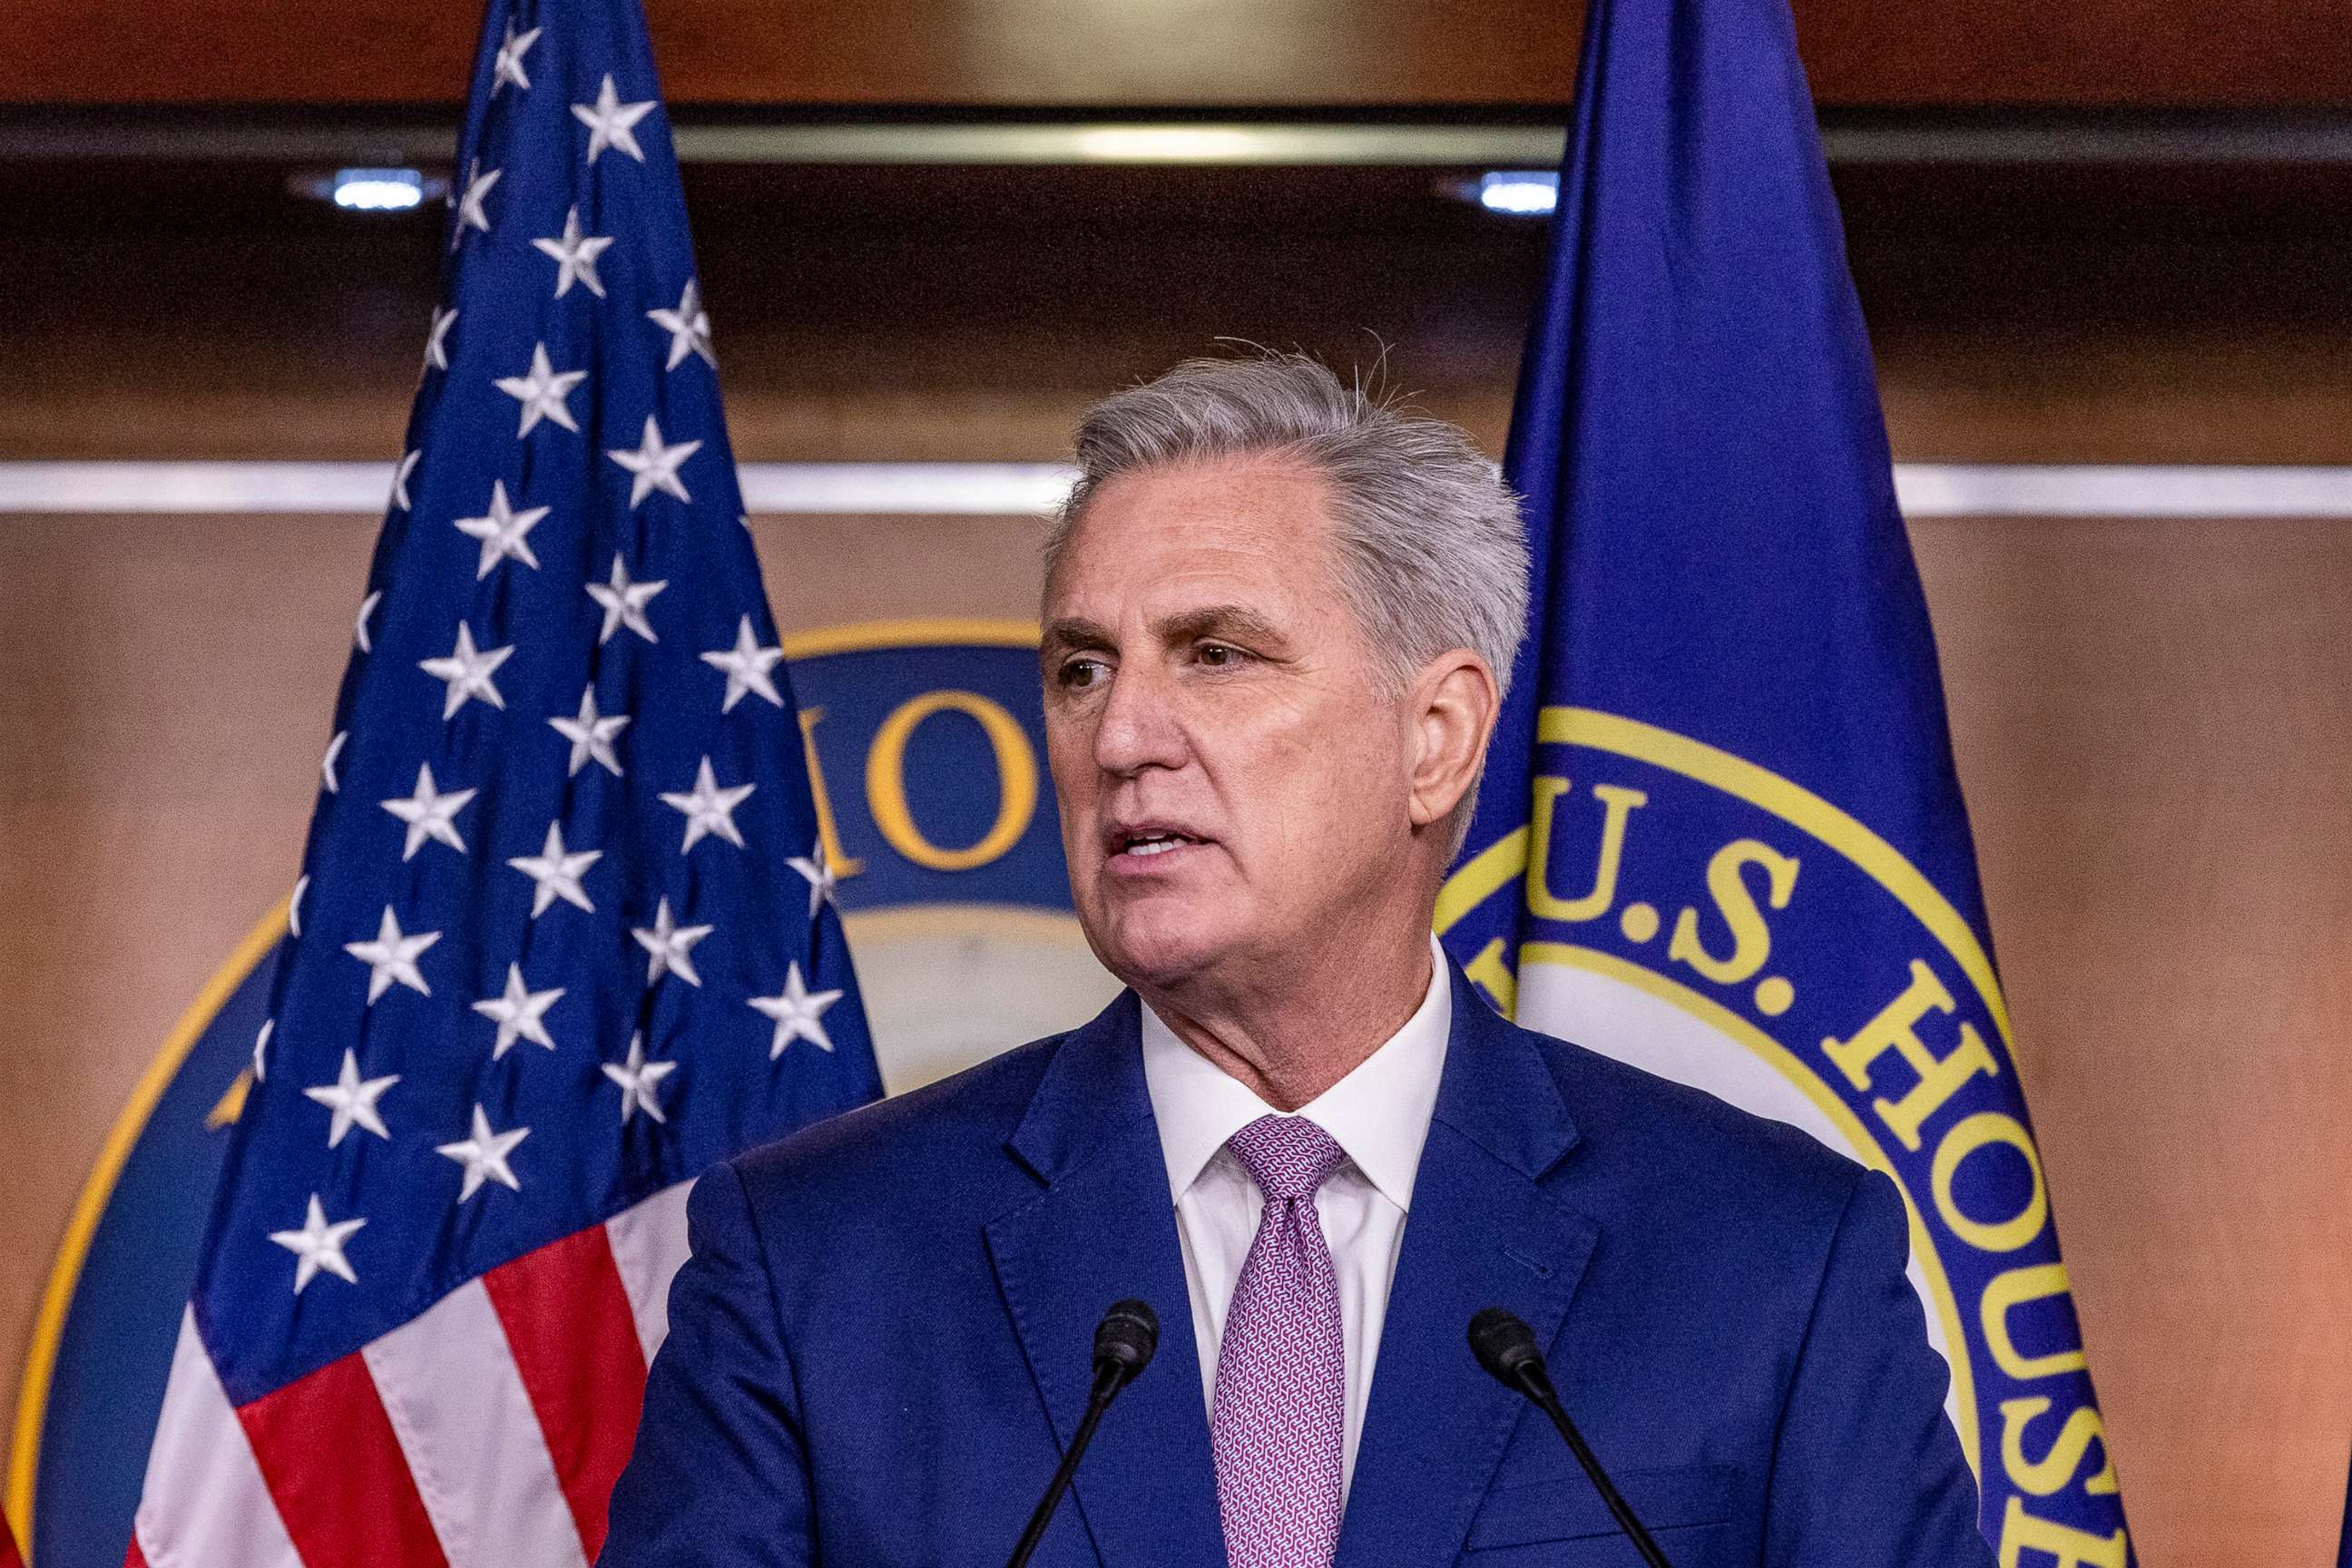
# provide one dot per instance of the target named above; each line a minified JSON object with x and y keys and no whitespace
{"x":1159,"y":949}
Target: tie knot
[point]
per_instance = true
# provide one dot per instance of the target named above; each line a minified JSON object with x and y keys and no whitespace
{"x":1288,"y":1156}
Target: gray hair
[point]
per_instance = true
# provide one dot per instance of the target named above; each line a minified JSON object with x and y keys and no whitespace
{"x":1431,"y":552}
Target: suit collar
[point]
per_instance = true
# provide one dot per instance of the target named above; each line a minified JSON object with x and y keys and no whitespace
{"x":1103,"y":1229}
{"x":1497,"y":1090}
{"x":1092,"y":1094}
{"x":1485,"y":1232}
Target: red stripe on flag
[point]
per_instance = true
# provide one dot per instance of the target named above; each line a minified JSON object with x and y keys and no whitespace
{"x":131,"y":1556}
{"x":574,"y":1341}
{"x":332,"y":1460}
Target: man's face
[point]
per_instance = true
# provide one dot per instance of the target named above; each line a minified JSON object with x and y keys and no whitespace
{"x":1233,"y":778}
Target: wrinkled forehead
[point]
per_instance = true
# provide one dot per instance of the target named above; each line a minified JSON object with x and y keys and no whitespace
{"x":1247,"y":528}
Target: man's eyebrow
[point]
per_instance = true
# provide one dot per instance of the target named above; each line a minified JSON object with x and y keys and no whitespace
{"x":1239,"y":622}
{"x":1236,"y":621}
{"x":1072,"y":632}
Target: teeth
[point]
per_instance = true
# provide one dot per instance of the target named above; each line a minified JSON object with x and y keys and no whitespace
{"x":1157,"y":843}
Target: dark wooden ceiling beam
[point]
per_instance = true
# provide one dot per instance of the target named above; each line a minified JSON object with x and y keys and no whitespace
{"x":2243,"y":54}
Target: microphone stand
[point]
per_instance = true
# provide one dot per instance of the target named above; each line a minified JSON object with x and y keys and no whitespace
{"x":1619,"y":1510}
{"x":1123,"y":1345}
{"x":1506,"y":1347}
{"x":1107,"y":1385}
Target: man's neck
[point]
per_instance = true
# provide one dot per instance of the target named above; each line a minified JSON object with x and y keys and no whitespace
{"x":1293,"y":1036}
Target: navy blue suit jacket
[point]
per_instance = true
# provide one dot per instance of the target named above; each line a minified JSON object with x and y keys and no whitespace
{"x":883,"y":1336}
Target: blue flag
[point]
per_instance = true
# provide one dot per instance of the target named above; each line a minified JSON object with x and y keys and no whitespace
{"x":2343,"y":1549}
{"x":564,"y":933}
{"x":1720,"y":834}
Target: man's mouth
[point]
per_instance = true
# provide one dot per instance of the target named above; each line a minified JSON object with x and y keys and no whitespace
{"x":1151,"y":841}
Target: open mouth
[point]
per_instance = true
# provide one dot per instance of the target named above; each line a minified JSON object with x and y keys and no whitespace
{"x":1146,"y":843}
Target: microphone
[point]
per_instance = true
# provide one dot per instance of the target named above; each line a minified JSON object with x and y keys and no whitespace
{"x":1124,"y":1342}
{"x":1507,"y":1348}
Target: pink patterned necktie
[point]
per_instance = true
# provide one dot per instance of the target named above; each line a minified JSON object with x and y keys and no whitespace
{"x":1275,"y":1421}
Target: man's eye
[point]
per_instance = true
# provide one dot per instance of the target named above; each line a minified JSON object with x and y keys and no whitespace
{"x":1081,"y":672}
{"x":1218,"y":656}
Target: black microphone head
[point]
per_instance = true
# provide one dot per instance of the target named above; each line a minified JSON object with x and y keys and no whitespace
{"x":1505,"y":1346}
{"x":1127,"y":1336}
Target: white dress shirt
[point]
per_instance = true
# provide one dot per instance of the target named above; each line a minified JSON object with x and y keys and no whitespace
{"x":1379,"y":1113}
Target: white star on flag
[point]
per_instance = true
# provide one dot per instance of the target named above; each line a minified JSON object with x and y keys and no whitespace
{"x":611,"y":122}
{"x":796,"y":1011}
{"x":654,"y":465}
{"x":556,"y":873}
{"x":507,"y":67}
{"x":709,"y":809}
{"x":468,"y":671}
{"x":669,"y":944}
{"x":436,"y":347}
{"x":261,"y":1049}
{"x":400,"y":479}
{"x":319,"y":1245}
{"x":591,"y":735}
{"x":688,"y":327}
{"x":519,"y":1013}
{"x":819,"y":876}
{"x":353,"y":1100}
{"x":576,"y":255}
{"x":625,"y":603}
{"x":294,"y":905}
{"x":483,"y":1155}
{"x":327,"y":763}
{"x":429,"y":814}
{"x":637,"y":1077}
{"x":360,"y":621}
{"x":502,"y":532}
{"x":469,"y":207}
{"x":392,"y":956}
{"x":747,"y":665}
{"x":542,"y":393}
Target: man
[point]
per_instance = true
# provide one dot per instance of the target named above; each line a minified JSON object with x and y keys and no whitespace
{"x":1276,"y":617}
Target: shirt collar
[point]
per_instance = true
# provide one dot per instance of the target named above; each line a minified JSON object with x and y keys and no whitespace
{"x":1379,"y":1113}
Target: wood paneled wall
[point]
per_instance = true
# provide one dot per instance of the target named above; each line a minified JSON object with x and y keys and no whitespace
{"x":2153,"y":719}
{"x":2154,"y":728}
{"x":1025,"y":53}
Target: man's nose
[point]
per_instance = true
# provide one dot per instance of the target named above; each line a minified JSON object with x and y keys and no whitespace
{"x":1140,"y":727}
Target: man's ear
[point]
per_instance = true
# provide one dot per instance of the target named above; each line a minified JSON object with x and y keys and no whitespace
{"x":1453,"y":705}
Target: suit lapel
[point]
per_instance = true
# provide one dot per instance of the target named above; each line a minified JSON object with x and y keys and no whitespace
{"x":1482,"y":1232}
{"x":1104,"y":1228}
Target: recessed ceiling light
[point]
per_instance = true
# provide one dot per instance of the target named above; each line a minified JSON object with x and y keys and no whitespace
{"x":1518,"y":193}
{"x":374,"y":190}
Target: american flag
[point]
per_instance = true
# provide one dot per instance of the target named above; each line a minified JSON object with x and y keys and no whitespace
{"x":564,"y":933}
